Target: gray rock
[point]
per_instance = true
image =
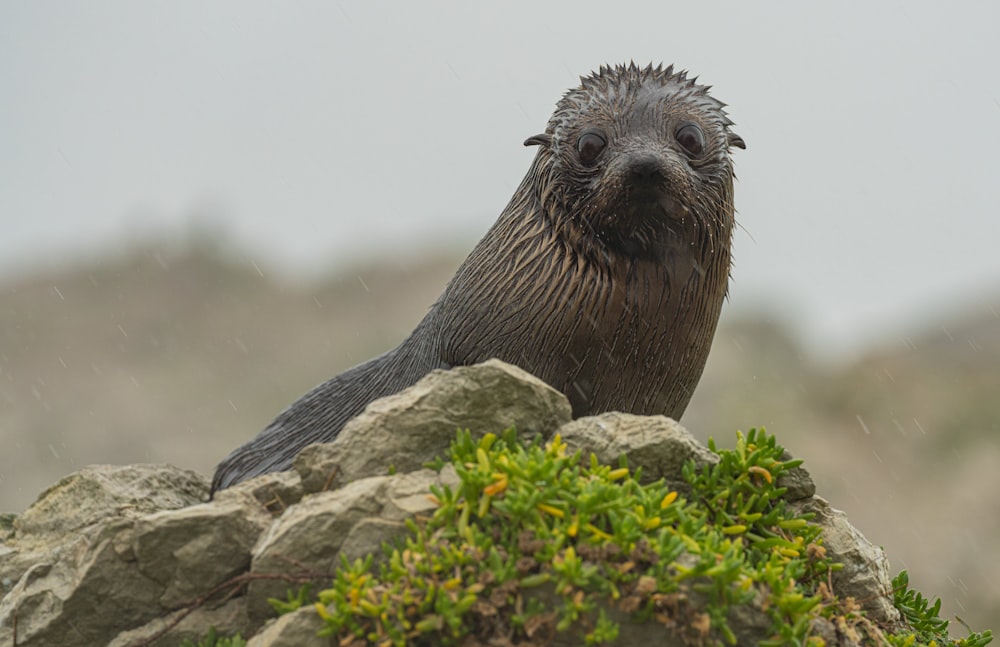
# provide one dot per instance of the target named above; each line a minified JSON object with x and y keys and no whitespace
{"x":797,"y":481}
{"x":17,"y":558}
{"x":295,"y":629}
{"x":865,"y":575}
{"x":127,"y":569}
{"x":407,"y":430}
{"x":319,"y":465}
{"x":275,"y":491}
{"x":306,"y":540}
{"x":310,"y":538}
{"x":190,"y":551}
{"x":228,"y":620}
{"x":67,"y":513}
{"x":98,"y":492}
{"x":657,"y":444}
{"x":83,"y":596}
{"x":7,"y":525}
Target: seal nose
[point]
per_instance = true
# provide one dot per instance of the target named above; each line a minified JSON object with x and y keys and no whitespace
{"x":644,"y":168}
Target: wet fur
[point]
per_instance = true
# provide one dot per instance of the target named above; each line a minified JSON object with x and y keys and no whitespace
{"x":607,"y":290}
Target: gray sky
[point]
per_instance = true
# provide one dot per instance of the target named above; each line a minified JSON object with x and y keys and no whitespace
{"x":315,"y":133}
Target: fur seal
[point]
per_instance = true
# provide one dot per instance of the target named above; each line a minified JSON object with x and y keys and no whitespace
{"x":604,"y":276}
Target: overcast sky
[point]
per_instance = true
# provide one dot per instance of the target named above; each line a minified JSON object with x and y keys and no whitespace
{"x":314,"y":133}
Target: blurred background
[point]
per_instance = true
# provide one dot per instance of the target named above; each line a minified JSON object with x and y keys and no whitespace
{"x":207,"y":208}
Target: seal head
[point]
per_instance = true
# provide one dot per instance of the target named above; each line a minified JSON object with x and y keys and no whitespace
{"x":638,"y":161}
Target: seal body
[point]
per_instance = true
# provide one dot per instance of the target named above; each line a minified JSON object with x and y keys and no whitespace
{"x":604,"y":276}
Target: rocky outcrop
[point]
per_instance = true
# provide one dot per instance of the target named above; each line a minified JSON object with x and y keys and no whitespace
{"x":657,"y":445}
{"x":138,"y":555}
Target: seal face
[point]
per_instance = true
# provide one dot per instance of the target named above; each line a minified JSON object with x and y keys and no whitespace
{"x":639,"y":159}
{"x":604,"y":276}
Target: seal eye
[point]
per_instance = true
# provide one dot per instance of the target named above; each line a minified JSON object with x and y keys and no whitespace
{"x":691,"y":139}
{"x":590,"y":146}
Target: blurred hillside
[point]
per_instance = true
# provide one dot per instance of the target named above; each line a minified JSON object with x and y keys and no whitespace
{"x":179,"y":351}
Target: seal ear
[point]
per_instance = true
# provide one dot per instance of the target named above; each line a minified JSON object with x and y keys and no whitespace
{"x":736,"y":140}
{"x":544,"y":139}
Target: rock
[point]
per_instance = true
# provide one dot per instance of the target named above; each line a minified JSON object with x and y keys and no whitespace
{"x":7,"y":525}
{"x":295,"y":629}
{"x":797,"y":481}
{"x":405,"y":431}
{"x":188,"y":552}
{"x":228,"y":620}
{"x":275,"y":491}
{"x":98,"y":492}
{"x":319,"y":465}
{"x":74,"y":597}
{"x":865,"y":574}
{"x":657,"y":444}
{"x":62,"y":522}
{"x":128,"y":568}
{"x":312,"y":536}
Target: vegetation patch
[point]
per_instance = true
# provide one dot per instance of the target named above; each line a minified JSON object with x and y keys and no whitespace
{"x":536,"y":543}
